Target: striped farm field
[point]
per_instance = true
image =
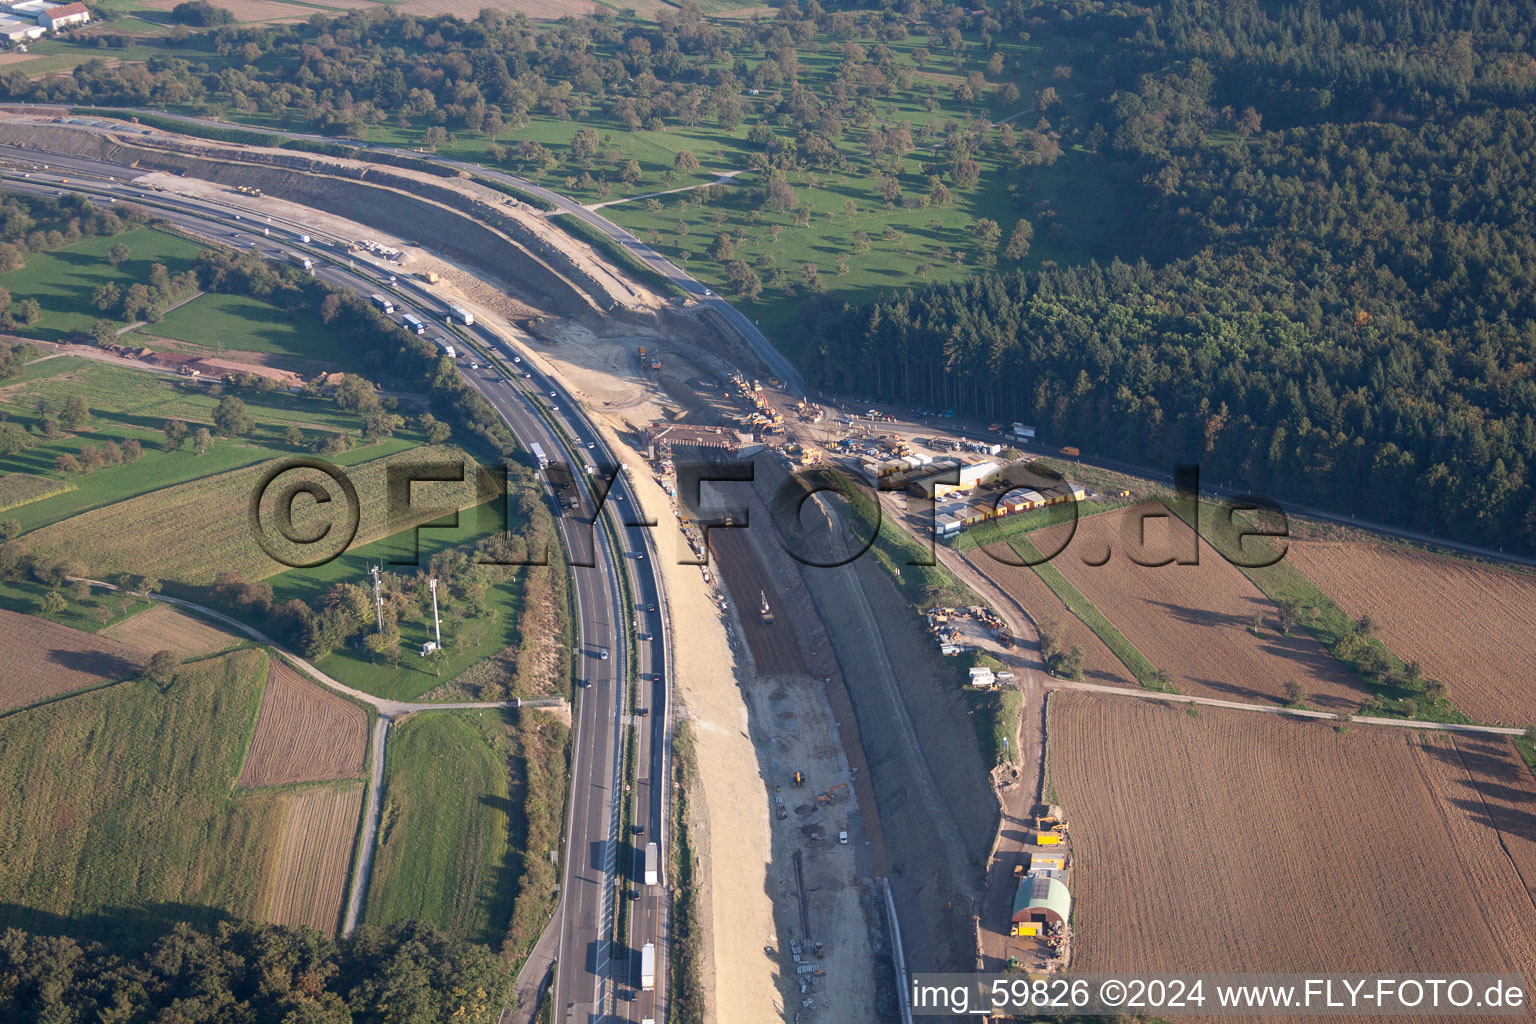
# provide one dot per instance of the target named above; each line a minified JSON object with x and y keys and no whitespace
{"x":310,"y":880}
{"x":44,"y":659}
{"x":305,"y":733}
{"x":192,"y":531}
{"x":164,"y":628}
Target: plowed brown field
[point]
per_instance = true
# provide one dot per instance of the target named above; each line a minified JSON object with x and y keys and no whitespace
{"x":315,"y":850}
{"x":1238,"y":842}
{"x":1192,"y":621}
{"x":1026,"y":587}
{"x":1466,"y":624}
{"x":43,"y":658}
{"x":305,"y":733}
{"x":164,"y":628}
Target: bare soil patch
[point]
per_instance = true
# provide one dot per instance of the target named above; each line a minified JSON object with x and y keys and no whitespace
{"x":164,"y":628}
{"x":44,"y":659}
{"x":305,"y":733}
{"x":1025,"y":586}
{"x":1389,"y":850}
{"x":1193,"y":621}
{"x":310,"y":879}
{"x":1468,"y":625}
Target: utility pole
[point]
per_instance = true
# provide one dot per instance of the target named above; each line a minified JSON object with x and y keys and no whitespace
{"x":378,"y":599}
{"x":437,"y":627}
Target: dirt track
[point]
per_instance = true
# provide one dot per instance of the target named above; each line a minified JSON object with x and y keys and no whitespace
{"x":1216,"y":843}
{"x":1468,"y":625}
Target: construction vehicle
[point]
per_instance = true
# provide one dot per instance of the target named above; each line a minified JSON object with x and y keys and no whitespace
{"x":830,"y":795}
{"x":429,"y":276}
{"x":799,"y":780}
{"x":765,"y":611}
{"x":1071,"y":451}
{"x":1018,"y":870}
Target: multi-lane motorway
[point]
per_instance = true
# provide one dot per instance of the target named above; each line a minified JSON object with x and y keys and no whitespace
{"x":620,"y":603}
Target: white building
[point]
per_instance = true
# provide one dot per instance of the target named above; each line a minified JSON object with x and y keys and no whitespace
{"x":64,"y":16}
{"x":14,"y":32}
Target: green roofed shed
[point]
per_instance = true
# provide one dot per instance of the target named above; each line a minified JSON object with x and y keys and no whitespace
{"x":1040,"y":898}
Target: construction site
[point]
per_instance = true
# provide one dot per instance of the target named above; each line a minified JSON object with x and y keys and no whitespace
{"x":1039,"y":936}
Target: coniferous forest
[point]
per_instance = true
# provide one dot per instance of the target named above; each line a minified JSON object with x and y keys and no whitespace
{"x":1334,"y":297}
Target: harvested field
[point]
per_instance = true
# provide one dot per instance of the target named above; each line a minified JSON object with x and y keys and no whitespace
{"x":44,"y":659}
{"x":191,"y":531}
{"x":1025,"y":586}
{"x":305,"y":733}
{"x":164,"y":628}
{"x":1468,"y":625}
{"x":1192,"y":621}
{"x":22,"y":488}
{"x":1409,"y":852}
{"x":314,"y":853}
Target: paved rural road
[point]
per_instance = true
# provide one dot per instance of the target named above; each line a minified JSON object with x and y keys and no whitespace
{"x":1270,"y":709}
{"x":590,"y":975}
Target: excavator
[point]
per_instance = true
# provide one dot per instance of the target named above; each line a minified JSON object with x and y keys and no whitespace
{"x":830,"y":795}
{"x":799,"y":779}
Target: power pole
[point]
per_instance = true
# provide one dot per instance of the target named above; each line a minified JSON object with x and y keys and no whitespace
{"x":437,"y":627}
{"x":378,"y":599}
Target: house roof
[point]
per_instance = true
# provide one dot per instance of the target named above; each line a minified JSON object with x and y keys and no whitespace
{"x":68,"y":10}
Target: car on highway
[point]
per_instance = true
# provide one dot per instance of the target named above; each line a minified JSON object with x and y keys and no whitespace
{"x":639,"y":828}
{"x":642,"y":712}
{"x":591,"y":444}
{"x":553,"y":395}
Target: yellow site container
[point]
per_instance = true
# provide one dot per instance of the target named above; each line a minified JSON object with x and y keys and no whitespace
{"x":1047,"y":839}
{"x":1027,"y":928}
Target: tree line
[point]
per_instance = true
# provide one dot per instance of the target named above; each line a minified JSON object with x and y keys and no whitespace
{"x":259,"y":974}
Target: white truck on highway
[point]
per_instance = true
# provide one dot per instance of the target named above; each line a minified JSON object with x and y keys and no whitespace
{"x":648,"y":967}
{"x":652,"y":859}
{"x":537,"y":450}
{"x":382,"y":303}
{"x":460,"y":315}
{"x":414,"y":324}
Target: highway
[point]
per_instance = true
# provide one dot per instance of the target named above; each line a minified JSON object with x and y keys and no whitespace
{"x":616,"y":587}
{"x":705,"y":299}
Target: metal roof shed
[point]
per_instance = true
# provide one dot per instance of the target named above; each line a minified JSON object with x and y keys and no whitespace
{"x":1041,"y":898}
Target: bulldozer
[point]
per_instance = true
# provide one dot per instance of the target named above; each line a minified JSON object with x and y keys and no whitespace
{"x":765,"y":610}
